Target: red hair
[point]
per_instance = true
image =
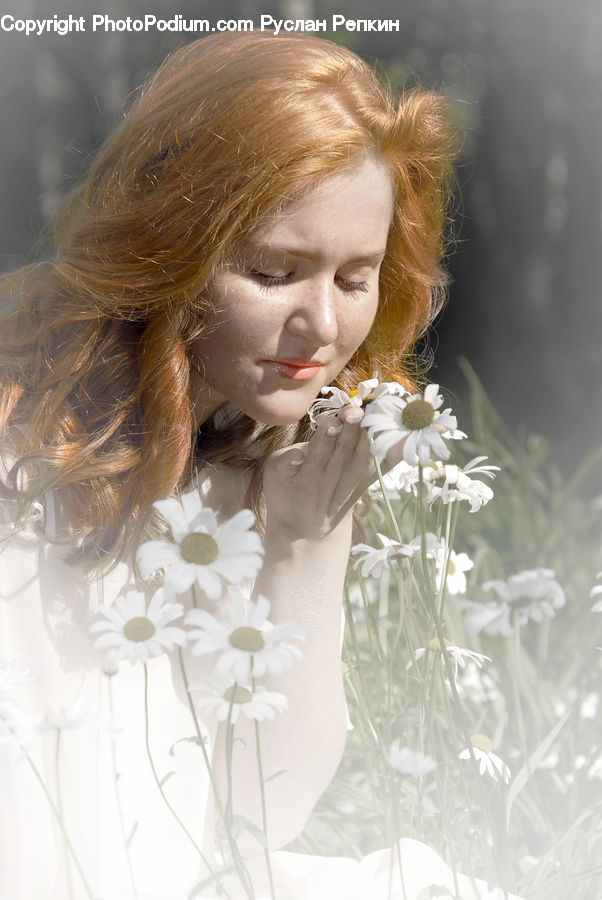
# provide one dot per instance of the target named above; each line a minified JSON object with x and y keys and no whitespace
{"x":95,"y":364}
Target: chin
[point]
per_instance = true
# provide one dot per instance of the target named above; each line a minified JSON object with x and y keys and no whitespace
{"x":274,"y":416}
{"x":275,"y":419}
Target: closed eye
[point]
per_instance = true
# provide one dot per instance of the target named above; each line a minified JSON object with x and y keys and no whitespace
{"x":268,"y":280}
{"x":352,"y":285}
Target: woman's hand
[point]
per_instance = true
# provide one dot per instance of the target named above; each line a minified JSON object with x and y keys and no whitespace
{"x":311,"y":487}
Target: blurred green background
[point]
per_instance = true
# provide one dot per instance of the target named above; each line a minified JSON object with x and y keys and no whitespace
{"x":524,"y":79}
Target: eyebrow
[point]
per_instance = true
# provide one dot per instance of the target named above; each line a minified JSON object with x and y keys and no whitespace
{"x":368,"y":258}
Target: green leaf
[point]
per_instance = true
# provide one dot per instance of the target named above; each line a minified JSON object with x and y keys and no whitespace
{"x":240,"y":824}
{"x":524,"y":774}
{"x":207,"y":882}
{"x":275,"y":775}
{"x":193,"y":739}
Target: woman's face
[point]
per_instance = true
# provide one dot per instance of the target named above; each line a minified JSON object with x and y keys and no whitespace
{"x":299,"y":302}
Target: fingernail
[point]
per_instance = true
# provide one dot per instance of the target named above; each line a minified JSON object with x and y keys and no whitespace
{"x":334,"y":429}
{"x":356,"y":415}
{"x":295,"y":461}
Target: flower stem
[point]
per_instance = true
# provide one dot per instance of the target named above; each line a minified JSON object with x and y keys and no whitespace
{"x":59,"y":804}
{"x":59,"y":820}
{"x":118,"y":797}
{"x":436,"y":621}
{"x":264,"y":814}
{"x":517,"y":701}
{"x":237,"y":858}
{"x":156,"y":776}
{"x":386,"y":500}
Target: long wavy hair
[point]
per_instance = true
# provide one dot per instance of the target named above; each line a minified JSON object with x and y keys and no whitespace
{"x":94,"y":367}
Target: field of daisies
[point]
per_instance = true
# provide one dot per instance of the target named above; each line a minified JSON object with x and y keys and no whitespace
{"x":472,"y":655}
{"x":473,"y":659}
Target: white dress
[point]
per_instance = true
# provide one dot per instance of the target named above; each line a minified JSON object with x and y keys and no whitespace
{"x":90,"y":753}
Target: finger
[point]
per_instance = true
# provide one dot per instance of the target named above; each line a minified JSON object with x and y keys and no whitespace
{"x":288,"y":460}
{"x":322,"y":446}
{"x":370,"y":475}
{"x":351,"y":467}
{"x":352,"y":478}
{"x":347,"y":441}
{"x":351,"y":415}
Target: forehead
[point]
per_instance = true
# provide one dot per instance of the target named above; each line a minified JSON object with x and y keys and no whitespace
{"x":353,"y":207}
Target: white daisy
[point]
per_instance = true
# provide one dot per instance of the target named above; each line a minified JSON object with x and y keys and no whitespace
{"x":529,"y":594}
{"x":410,"y":762}
{"x":230,"y":699}
{"x":488,"y":761}
{"x":371,"y":560}
{"x":442,"y":481}
{"x":247,"y":642}
{"x":476,"y":685}
{"x":74,"y":716}
{"x":433,"y":545}
{"x":137,"y":633}
{"x":457,"y":565}
{"x":449,"y":482}
{"x":204,"y":551}
{"x":391,"y":418}
{"x":458,"y":655}
{"x":402,"y":478}
{"x":17,"y":728}
{"x":334,"y":398}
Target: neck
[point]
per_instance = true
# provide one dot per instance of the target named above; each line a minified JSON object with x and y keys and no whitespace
{"x":204,"y":399}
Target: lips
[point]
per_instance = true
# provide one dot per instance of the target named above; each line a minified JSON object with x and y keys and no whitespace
{"x":294,"y":369}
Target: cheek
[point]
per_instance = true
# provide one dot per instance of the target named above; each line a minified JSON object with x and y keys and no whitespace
{"x":242,"y":323}
{"x":359,"y":323}
{"x":232,"y":332}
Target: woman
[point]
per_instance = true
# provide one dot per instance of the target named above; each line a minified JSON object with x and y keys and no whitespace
{"x":263,"y":223}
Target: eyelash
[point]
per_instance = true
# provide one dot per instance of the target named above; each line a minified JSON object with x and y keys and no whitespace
{"x":268,"y":281}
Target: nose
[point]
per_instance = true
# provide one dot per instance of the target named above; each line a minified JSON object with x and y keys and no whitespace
{"x":314,"y":316}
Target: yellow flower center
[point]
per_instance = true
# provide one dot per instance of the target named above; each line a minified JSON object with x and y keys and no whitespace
{"x":247,"y":638}
{"x":199,"y":548}
{"x":481,"y":742}
{"x":237,"y":694}
{"x":352,"y":393}
{"x":417,"y":414}
{"x":435,"y":645}
{"x":438,"y":480}
{"x":138,"y":629}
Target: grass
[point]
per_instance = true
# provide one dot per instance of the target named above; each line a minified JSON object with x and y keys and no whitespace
{"x":540,"y":836}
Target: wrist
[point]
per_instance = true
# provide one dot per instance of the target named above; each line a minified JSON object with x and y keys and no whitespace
{"x":290,"y":540}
